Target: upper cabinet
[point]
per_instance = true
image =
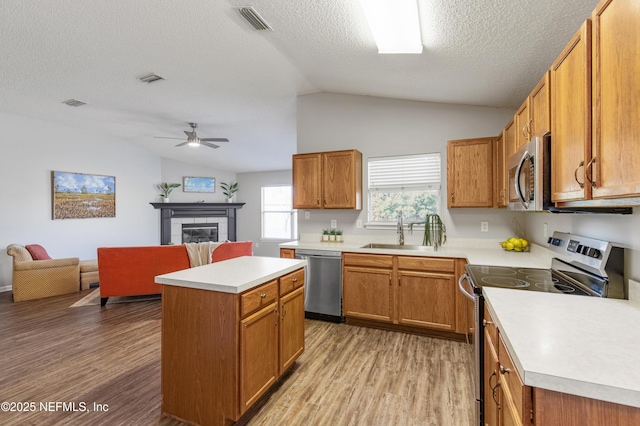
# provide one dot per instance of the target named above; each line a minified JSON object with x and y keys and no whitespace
{"x":540,"y":104}
{"x":470,"y":172}
{"x":523,"y":125}
{"x":499,"y":173}
{"x":571,"y":118}
{"x":616,"y":99}
{"x":328,"y":180}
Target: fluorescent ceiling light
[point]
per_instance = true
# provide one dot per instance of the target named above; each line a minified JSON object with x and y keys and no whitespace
{"x":395,"y":25}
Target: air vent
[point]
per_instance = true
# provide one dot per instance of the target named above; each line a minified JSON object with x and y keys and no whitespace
{"x":150,"y":78}
{"x":74,"y":102}
{"x":254,"y":18}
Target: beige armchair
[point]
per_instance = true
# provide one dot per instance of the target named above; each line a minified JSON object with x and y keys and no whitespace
{"x":36,"y":279}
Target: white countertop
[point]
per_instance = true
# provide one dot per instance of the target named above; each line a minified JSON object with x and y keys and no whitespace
{"x":586,"y":346}
{"x":234,"y":275}
{"x":476,"y":251}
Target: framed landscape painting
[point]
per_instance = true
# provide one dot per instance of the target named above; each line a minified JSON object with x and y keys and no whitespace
{"x":80,"y":196}
{"x":199,"y":184}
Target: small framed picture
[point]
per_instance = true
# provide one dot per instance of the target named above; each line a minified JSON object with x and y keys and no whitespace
{"x":198,"y":184}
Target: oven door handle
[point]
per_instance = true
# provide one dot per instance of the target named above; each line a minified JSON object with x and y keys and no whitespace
{"x":462,"y":278}
{"x":526,"y":156}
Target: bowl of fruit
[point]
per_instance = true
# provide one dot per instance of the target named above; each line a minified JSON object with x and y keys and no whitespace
{"x":515,"y":244}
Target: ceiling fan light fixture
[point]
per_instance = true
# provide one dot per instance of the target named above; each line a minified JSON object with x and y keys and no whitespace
{"x":395,"y":25}
{"x":194,"y":142}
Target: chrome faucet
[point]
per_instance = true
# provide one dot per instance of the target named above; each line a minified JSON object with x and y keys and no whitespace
{"x":400,"y":229}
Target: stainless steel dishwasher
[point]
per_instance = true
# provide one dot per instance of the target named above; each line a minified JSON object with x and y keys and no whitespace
{"x":322,"y":284}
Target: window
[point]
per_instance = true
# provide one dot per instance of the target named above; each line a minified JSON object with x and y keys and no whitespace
{"x":279,"y":220}
{"x":409,"y":184}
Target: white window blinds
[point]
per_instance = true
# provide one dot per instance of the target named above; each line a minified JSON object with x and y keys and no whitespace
{"x":421,"y":171}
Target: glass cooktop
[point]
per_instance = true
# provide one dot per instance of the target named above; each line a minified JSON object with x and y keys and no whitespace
{"x":545,"y":280}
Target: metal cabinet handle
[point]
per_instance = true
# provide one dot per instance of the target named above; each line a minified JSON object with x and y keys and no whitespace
{"x":284,"y":312}
{"x":494,"y":389}
{"x":586,"y":172}
{"x":502,"y":192}
{"x":294,"y":280}
{"x":575,"y":174}
{"x":263,"y":295}
{"x":485,"y":322}
{"x":318,"y":200}
{"x":453,"y":197}
{"x":504,"y":370}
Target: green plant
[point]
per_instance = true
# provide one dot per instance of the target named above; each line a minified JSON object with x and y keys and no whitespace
{"x":435,"y":233}
{"x":325,"y":232}
{"x":338,"y":231}
{"x":229,"y":189}
{"x":166,"y":188}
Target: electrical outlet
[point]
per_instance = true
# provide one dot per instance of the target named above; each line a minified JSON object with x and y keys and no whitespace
{"x":334,"y":224}
{"x":484,"y":226}
{"x":359,"y":223}
{"x":307,"y":215}
{"x":546,"y":232}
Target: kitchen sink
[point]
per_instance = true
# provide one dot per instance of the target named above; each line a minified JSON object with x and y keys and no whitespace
{"x":398,"y":247}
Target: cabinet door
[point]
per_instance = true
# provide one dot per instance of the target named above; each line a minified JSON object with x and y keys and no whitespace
{"x":540,"y":107}
{"x":491,"y":388}
{"x":307,"y":183}
{"x":500,"y":173}
{"x":470,"y":173}
{"x":287,"y":253}
{"x":426,"y":300}
{"x":291,"y":328}
{"x":523,"y":125}
{"x":509,"y":139}
{"x":342,"y":180}
{"x":616,"y":85}
{"x":571,"y":118}
{"x":366,"y":293}
{"x":258,"y":354}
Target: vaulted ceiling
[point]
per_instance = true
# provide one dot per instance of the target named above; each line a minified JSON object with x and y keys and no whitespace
{"x":240,"y":83}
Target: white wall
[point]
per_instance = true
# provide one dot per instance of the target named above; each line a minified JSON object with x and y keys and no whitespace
{"x":379,"y":127}
{"x":249,"y":217}
{"x":31,"y":150}
{"x":621,"y":229}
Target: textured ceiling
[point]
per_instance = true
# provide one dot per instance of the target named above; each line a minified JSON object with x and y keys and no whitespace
{"x":242,"y":84}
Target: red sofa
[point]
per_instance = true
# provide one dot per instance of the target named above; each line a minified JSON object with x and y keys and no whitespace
{"x":130,"y":271}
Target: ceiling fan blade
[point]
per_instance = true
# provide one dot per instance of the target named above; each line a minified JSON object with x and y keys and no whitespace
{"x":215,"y":139}
{"x":183,"y":143}
{"x":210,"y":145}
{"x":190,"y":134}
{"x":164,"y":137}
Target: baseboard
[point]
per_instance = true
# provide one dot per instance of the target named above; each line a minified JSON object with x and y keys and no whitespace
{"x":5,"y":288}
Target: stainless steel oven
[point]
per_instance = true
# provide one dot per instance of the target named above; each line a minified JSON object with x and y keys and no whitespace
{"x":582,"y":267}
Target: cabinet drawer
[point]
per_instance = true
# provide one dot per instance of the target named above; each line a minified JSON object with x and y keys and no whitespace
{"x":258,"y":298}
{"x":490,"y":328}
{"x":291,"y":281}
{"x":374,"y":260}
{"x":511,"y":379}
{"x":426,"y":264}
{"x":287,"y":253}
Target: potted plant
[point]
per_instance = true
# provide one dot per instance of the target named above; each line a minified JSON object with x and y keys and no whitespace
{"x":332,"y":235}
{"x":435,"y":233}
{"x":166,"y":189}
{"x":325,"y":235}
{"x":338,"y":235}
{"x":229,"y":189}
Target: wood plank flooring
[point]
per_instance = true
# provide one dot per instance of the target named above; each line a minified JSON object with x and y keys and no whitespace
{"x":50,"y":352}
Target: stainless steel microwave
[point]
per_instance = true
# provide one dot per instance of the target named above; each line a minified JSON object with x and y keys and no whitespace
{"x":529,"y":171}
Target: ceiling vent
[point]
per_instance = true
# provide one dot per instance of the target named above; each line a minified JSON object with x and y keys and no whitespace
{"x":150,"y":78}
{"x":74,"y":102}
{"x":254,"y":18}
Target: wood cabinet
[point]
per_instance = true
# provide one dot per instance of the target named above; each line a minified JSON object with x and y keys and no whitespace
{"x":491,"y":386}
{"x":286,"y":253}
{"x":509,"y":133}
{"x":523,"y":125}
{"x":222,"y":351}
{"x":540,"y":107}
{"x":499,"y":172}
{"x":416,"y":292}
{"x":470,"y":172}
{"x":327,"y":180}
{"x":616,"y":101}
{"x":571,"y":118}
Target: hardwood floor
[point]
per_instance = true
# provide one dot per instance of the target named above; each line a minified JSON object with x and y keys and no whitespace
{"x":50,"y":352}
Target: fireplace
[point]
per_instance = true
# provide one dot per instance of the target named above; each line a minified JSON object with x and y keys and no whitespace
{"x":199,"y":232}
{"x":173,"y":217}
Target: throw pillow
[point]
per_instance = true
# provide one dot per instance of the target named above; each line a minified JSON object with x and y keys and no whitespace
{"x":38,"y":252}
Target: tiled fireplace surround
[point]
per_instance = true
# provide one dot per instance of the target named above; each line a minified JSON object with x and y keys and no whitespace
{"x":173,"y":215}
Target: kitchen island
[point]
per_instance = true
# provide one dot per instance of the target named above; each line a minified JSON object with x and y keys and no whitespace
{"x":229,"y":332}
{"x":577,"y":354}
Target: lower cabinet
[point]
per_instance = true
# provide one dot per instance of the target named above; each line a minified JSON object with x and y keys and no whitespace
{"x":221,"y":352}
{"x":412,"y":291}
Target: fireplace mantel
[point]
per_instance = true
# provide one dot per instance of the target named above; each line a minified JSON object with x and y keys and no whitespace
{"x":179,"y":210}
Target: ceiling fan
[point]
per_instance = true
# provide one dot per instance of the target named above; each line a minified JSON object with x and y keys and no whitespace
{"x":194,"y":140}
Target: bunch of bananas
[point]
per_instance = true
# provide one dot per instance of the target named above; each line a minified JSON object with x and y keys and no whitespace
{"x":515,"y":244}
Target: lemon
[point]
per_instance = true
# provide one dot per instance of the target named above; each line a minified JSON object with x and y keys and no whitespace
{"x":524,"y":242}
{"x":510,"y":246}
{"x":503,"y":244}
{"x":512,"y":240}
{"x":517,"y":243}
{"x":518,"y":248}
